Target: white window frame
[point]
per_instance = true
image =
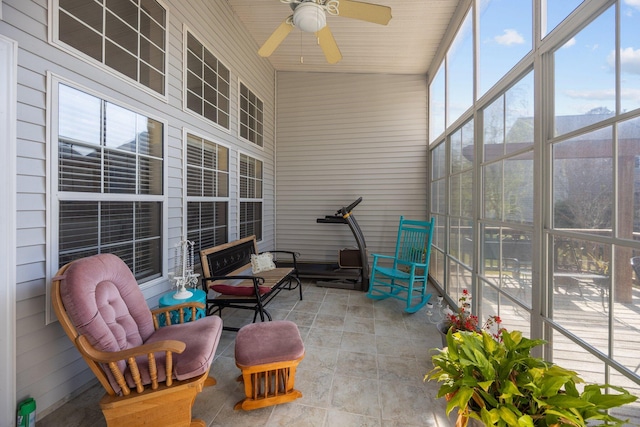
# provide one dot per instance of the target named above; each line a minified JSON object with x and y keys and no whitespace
{"x":240,"y":84}
{"x":187,"y":198}
{"x":53,"y":200}
{"x":53,"y":25}
{"x":256,"y":199}
{"x":185,"y":31}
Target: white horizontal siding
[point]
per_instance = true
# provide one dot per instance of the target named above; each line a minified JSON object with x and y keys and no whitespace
{"x":48,"y":367}
{"x":342,"y":136}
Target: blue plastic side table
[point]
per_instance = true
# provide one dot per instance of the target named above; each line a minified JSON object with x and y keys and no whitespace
{"x":167,"y":300}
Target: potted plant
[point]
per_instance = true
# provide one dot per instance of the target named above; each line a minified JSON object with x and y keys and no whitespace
{"x":499,"y":383}
{"x":464,"y":320}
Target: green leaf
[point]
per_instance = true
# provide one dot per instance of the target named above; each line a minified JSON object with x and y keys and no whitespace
{"x":460,"y":399}
{"x":571,"y":389}
{"x":489,"y":398}
{"x":508,"y":416}
{"x":607,"y":401}
{"x":490,"y":344}
{"x":485,"y":384}
{"x":510,"y":388}
{"x":525,"y":421}
{"x":553,"y":415}
{"x":485,"y":367}
{"x":446,"y":389}
{"x":593,"y":393}
{"x":489,"y":418}
{"x":452,"y":348}
{"x":564,"y":401}
{"x":551,"y":385}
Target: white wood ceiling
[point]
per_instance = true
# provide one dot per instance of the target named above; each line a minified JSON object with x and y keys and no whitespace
{"x":406,"y":45}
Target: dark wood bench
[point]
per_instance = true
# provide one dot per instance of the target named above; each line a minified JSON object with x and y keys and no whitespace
{"x":229,"y":281}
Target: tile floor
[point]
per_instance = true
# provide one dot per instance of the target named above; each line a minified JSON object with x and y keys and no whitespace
{"x":363,"y":367}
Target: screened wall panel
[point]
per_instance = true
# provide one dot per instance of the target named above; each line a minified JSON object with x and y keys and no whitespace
{"x":553,"y":181}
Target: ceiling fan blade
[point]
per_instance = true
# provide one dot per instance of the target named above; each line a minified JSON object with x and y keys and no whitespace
{"x":364,"y":11}
{"x":276,"y":38}
{"x":329,"y":45}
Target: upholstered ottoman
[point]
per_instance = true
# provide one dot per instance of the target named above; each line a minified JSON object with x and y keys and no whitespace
{"x":268,"y":353}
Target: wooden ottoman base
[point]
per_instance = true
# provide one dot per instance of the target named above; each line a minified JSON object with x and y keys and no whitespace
{"x":268,"y":384}
{"x":268,"y":354}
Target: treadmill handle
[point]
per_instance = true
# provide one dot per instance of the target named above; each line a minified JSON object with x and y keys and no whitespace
{"x":348,"y":209}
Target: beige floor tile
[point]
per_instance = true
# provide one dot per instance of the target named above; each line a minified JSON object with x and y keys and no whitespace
{"x":366,"y":311}
{"x":316,"y":386}
{"x":307,"y":306}
{"x":301,"y":318}
{"x":355,"y":395}
{"x":357,"y":342}
{"x":333,"y":309}
{"x":345,"y":419}
{"x":363,"y":367}
{"x":394,"y":346}
{"x":298,"y":415}
{"x":321,"y":337}
{"x":359,"y":324}
{"x":321,"y":359}
{"x":329,"y":322}
{"x":406,"y":403}
{"x":394,"y":368}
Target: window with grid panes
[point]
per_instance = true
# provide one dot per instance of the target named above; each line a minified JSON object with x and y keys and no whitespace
{"x":207,"y":192}
{"x":109,"y":182}
{"x":128,"y":36}
{"x":250,"y":197}
{"x":207,"y":82}
{"x":251,"y":116}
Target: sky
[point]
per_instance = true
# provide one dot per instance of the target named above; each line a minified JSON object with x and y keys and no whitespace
{"x":584,"y":69}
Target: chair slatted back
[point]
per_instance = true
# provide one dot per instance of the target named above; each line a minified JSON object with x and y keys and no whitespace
{"x":414,"y":241}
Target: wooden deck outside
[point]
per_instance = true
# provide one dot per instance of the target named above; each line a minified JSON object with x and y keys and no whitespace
{"x":580,"y":305}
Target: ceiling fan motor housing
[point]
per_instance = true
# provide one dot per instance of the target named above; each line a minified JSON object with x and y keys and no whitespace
{"x":309,"y":17}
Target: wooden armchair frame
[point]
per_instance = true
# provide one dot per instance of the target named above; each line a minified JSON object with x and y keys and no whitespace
{"x":165,"y":403}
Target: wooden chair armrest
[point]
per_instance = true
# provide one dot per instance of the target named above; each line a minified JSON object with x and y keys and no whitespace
{"x":100,"y":356}
{"x":193,"y":306}
{"x":129,"y":356}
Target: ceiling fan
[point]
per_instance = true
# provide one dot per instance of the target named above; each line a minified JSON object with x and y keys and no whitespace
{"x":310,"y":16}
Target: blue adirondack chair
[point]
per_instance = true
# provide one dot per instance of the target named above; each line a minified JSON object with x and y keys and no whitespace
{"x":404,"y":275}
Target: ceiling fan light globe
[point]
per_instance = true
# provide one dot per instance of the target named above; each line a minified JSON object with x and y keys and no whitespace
{"x":309,"y":17}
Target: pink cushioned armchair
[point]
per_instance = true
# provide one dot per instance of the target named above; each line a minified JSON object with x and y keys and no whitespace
{"x":151,"y":375}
